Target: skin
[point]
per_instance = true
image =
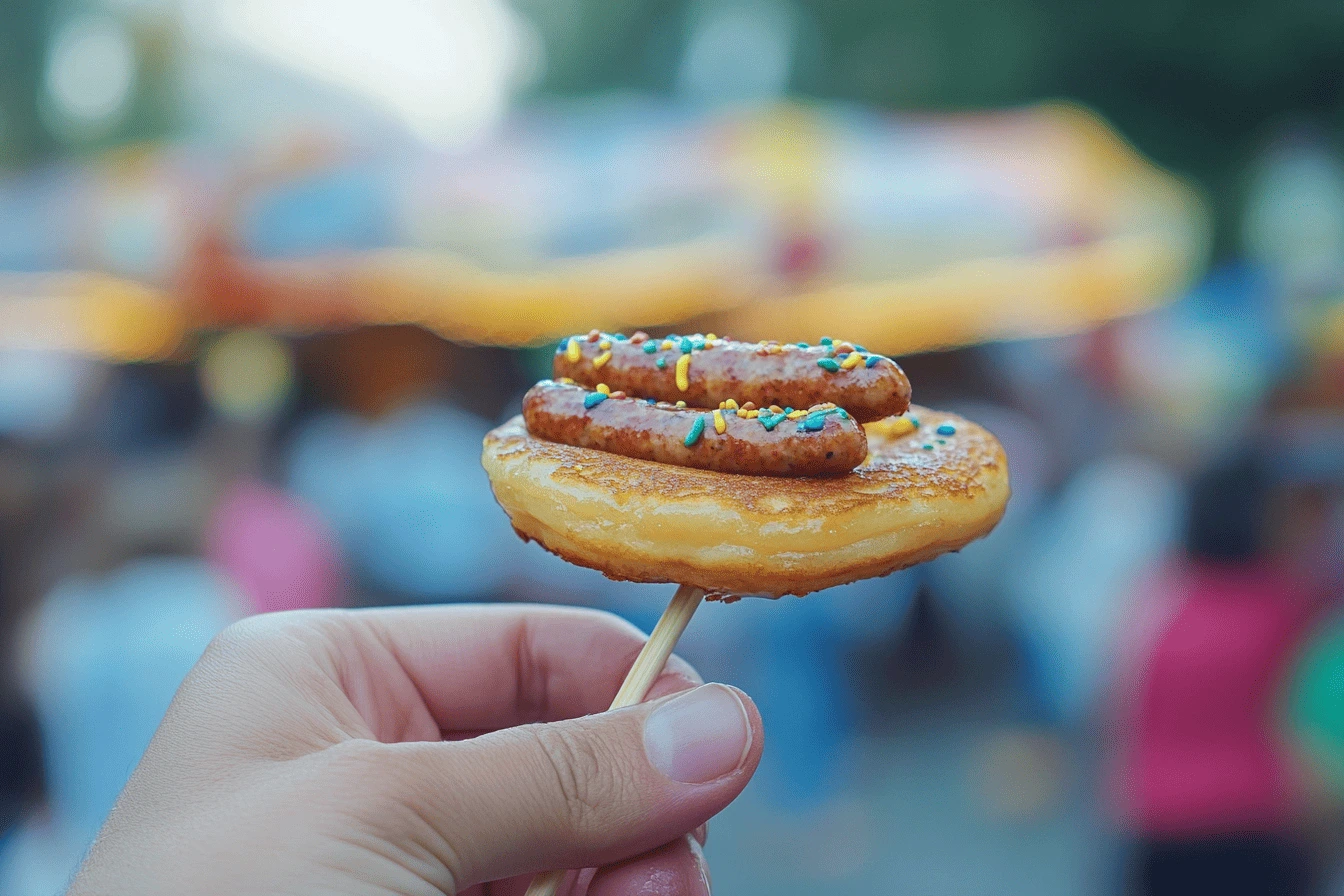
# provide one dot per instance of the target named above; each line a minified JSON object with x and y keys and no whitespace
{"x":418,"y":751}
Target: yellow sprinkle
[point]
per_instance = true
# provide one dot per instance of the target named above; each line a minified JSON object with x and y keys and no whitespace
{"x":602,"y":359}
{"x":730,"y":404}
{"x":853,"y":360}
{"x":796,"y":414}
{"x":720,"y":424}
{"x":666,"y":345}
{"x":604,"y":388}
{"x":776,"y":349}
{"x":752,"y":415}
{"x":710,"y":336}
{"x":565,"y":381}
{"x":572,"y":350}
{"x":684,"y":372}
{"x":742,"y":413}
{"x":681,"y":404}
{"x":604,"y":344}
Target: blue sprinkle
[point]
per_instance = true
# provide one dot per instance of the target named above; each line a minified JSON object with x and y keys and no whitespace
{"x":619,"y":337}
{"x":947,"y":429}
{"x":564,"y":344}
{"x":686,"y":345}
{"x":770,"y":422}
{"x":802,"y":345}
{"x":650,"y":347}
{"x":825,"y":340}
{"x":593,"y":399}
{"x":844,"y":414}
{"x":872,"y":361}
{"x":859,"y":348}
{"x":651,"y":400}
{"x":914,"y":421}
{"x":697,"y":429}
{"x":662,"y":362}
{"x":828,"y":364}
{"x":813,"y":422}
{"x":928,"y":447}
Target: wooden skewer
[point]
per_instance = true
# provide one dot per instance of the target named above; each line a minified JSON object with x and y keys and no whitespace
{"x":646,"y":669}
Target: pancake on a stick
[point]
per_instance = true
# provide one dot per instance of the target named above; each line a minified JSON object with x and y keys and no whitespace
{"x":736,"y":469}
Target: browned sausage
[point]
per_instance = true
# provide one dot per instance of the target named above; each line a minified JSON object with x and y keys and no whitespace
{"x":824,"y":441}
{"x":870,"y":388}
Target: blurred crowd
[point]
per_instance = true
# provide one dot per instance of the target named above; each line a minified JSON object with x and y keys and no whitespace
{"x":1136,"y":683}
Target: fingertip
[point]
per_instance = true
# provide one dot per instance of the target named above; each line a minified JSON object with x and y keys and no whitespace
{"x":676,"y":869}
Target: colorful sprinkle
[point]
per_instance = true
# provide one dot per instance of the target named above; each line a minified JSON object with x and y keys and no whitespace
{"x":928,"y":447}
{"x":828,"y":364}
{"x":771,"y":421}
{"x":638,"y":337}
{"x":665,"y":345}
{"x":720,"y":424}
{"x":661,"y":362}
{"x":686,"y":345}
{"x":872,"y":360}
{"x":572,"y":351}
{"x":604,"y":388}
{"x":593,"y":399}
{"x":753,"y":414}
{"x":852,"y":360}
{"x":684,"y":372}
{"x":709,"y":336}
{"x":602,"y":359}
{"x":794,"y":415}
{"x":565,"y":381}
{"x":801,"y":344}
{"x":859,"y":348}
{"x":913,"y":419}
{"x":619,"y":337}
{"x":947,"y":429}
{"x":697,"y":429}
{"x":813,"y":423}
{"x":825,"y":340}
{"x":900,"y":426}
{"x":594,"y":335}
{"x":652,"y":401}
{"x":730,"y":404}
{"x":604,"y":344}
{"x":681,"y":404}
{"x":650,"y":348}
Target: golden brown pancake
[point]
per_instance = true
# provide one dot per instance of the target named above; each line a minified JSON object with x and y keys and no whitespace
{"x":919,"y":494}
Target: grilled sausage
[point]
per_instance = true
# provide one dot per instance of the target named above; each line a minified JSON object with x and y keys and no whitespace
{"x":822,"y":441}
{"x":704,"y":371}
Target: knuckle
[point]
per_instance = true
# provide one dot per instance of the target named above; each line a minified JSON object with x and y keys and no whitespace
{"x":580,"y":772}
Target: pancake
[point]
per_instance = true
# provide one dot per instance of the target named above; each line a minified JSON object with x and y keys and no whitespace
{"x":920,"y":493}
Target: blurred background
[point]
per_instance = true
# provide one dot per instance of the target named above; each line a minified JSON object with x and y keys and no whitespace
{"x":269,"y":270}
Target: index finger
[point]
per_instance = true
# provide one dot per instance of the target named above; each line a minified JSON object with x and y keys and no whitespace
{"x":483,"y":667}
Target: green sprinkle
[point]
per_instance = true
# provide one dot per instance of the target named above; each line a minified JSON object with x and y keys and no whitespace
{"x":686,"y":345}
{"x":770,"y":421}
{"x":942,"y":441}
{"x":813,"y":422}
{"x":825,"y":340}
{"x":928,"y":447}
{"x":593,"y":399}
{"x":947,"y":429}
{"x":650,"y":347}
{"x":661,"y":362}
{"x":801,"y":344}
{"x":828,"y":364}
{"x":914,"y":421}
{"x":697,"y":430}
{"x":872,"y":361}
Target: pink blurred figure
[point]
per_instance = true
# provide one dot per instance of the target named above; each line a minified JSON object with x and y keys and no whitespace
{"x":279,"y":551}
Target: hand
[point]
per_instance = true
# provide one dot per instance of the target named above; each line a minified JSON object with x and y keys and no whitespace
{"x":399,"y":751}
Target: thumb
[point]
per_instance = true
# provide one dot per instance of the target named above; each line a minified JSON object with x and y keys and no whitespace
{"x":584,"y":792}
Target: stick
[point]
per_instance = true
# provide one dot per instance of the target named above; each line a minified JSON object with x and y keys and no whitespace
{"x":648,"y":666}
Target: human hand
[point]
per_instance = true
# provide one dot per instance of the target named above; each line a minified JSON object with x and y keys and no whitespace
{"x":397,"y":751}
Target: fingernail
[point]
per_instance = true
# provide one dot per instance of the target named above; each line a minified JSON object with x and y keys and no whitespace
{"x":698,"y":736}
